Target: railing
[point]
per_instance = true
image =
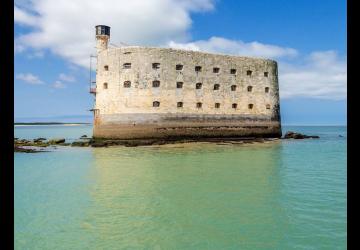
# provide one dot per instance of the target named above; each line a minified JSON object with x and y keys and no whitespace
{"x":93,"y":90}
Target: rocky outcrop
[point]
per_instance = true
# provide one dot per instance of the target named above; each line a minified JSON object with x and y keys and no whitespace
{"x":295,"y":135}
{"x":56,"y":141}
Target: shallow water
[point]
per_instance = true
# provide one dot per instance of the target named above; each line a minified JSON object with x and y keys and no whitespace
{"x":289,"y":194}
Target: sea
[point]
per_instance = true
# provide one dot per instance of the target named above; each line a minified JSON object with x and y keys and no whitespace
{"x":285,"y":194}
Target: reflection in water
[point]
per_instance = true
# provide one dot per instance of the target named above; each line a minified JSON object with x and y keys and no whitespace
{"x":200,"y":196}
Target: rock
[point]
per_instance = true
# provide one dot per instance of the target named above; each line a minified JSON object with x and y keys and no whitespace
{"x":84,"y":136}
{"x":25,"y":150}
{"x":80,"y":144}
{"x":341,"y":136}
{"x":294,"y":135}
{"x":40,"y":139}
{"x":56,"y":141}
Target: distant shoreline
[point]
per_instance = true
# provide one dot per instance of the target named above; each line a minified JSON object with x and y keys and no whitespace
{"x":50,"y":123}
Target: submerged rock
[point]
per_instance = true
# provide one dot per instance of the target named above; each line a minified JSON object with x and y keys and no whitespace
{"x":80,"y":144}
{"x":294,"y":135}
{"x":40,"y":139}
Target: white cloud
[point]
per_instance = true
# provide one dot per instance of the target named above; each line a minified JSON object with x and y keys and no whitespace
{"x":29,"y":78}
{"x":66,"y":78}
{"x":323,"y":75}
{"x":67,"y":27}
{"x":232,"y":47}
{"x":59,"y":85}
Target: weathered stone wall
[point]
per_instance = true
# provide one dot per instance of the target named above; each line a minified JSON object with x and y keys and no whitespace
{"x":129,"y":113}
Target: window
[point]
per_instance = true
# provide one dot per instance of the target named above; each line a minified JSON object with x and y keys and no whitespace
{"x":267,"y":90}
{"x":179,"y":104}
{"x":217,"y":105}
{"x":127,"y":65}
{"x":198,"y":68}
{"x":106,"y":68}
{"x":248,"y":73}
{"x":251,"y":106}
{"x":216,"y":70}
{"x":233,"y":87}
{"x":267,"y":106}
{"x":156,"y":84}
{"x":156,"y":65}
{"x":234,"y":105}
{"x":127,"y":84}
{"x":105,"y":85}
{"x":179,"y":85}
{"x":233,"y":71}
{"x":199,"y":105}
{"x":266,"y":74}
{"x":249,"y":88}
{"x":179,"y":66}
{"x":198,"y":85}
{"x":156,"y":104}
{"x":216,"y":86}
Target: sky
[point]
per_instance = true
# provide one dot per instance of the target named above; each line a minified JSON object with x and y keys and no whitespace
{"x":53,"y":42}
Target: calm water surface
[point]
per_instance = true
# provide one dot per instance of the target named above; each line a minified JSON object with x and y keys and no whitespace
{"x":281,"y":195}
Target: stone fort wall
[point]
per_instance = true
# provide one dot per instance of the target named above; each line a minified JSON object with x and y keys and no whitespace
{"x":146,"y":92}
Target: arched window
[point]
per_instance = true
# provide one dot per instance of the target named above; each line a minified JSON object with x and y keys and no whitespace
{"x":233,"y":87}
{"x":179,"y":85}
{"x":198,"y":85}
{"x":106,"y":68}
{"x":216,"y":86}
{"x":199,"y":105}
{"x":127,"y":65}
{"x":156,"y":84}
{"x":179,"y":66}
{"x":267,"y":106}
{"x":249,"y":88}
{"x":248,"y":73}
{"x":217,"y":105}
{"x":127,"y":84}
{"x":234,"y":105}
{"x":105,"y":85}
{"x":179,"y":104}
{"x":251,"y":106}
{"x":267,"y":90}
{"x":156,"y":104}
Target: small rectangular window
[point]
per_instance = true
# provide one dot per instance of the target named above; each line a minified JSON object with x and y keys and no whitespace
{"x":179,"y":104}
{"x":248,"y":73}
{"x":250,"y":106}
{"x":179,"y":85}
{"x":266,"y":74}
{"x":199,"y":105}
{"x":216,"y":70}
{"x":179,"y":66}
{"x":106,"y":67}
{"x":127,"y":65}
{"x":156,"y":104}
{"x":267,"y":90}
{"x":267,"y":106}
{"x":217,"y":105}
{"x":249,"y":88}
{"x":156,"y":65}
{"x":233,"y":87}
{"x":198,"y":85}
{"x":216,"y":86}
{"x":198,"y":68}
{"x":234,"y":105}
{"x":233,"y":71}
{"x":127,"y":84}
{"x":156,"y":84}
{"x":105,"y":85}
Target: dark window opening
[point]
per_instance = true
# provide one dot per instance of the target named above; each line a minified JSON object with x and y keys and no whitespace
{"x":267,"y":106}
{"x":198,"y":85}
{"x":127,"y":65}
{"x":179,"y":85}
{"x":127,"y":84}
{"x":179,"y":104}
{"x":179,"y":67}
{"x":106,"y":67}
{"x":251,"y":106}
{"x":217,"y":105}
{"x":233,"y":87}
{"x":156,"y":65}
{"x":198,"y":68}
{"x":199,"y":105}
{"x":156,"y":104}
{"x":105,"y":85}
{"x":267,"y":90}
{"x":266,"y":74}
{"x":248,"y":73}
{"x":156,"y":84}
{"x":234,"y":105}
{"x":233,"y":71}
{"x":216,"y":70}
{"x":249,"y":88}
{"x":216,"y":86}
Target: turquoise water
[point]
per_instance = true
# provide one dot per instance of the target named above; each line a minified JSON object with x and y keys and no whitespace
{"x":289,"y":194}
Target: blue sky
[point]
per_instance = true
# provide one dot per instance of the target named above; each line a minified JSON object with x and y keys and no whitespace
{"x":307,"y":38}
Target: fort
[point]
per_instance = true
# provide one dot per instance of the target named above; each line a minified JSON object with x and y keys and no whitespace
{"x":165,"y":93}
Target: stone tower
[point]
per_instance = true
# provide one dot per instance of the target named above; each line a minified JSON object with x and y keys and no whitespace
{"x":102,"y":37}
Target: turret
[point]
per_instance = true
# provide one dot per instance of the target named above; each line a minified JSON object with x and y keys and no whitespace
{"x":102,"y":37}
